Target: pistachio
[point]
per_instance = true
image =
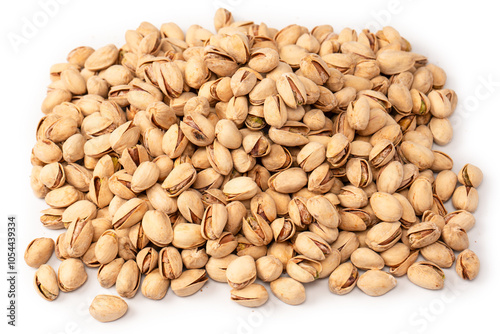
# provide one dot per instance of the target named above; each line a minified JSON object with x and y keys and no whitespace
{"x":427,"y":275}
{"x":288,"y":290}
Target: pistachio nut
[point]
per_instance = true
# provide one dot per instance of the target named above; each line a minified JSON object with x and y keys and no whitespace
{"x":467,"y":266}
{"x":343,"y":279}
{"x":71,"y":275}
{"x":427,"y":275}
{"x":45,"y":282}
{"x":189,"y":282}
{"x":288,"y":290}
{"x":107,"y":273}
{"x":38,"y":252}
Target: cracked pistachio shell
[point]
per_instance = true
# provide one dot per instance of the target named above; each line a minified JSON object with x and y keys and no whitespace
{"x":470,"y":176}
{"x":241,"y":272}
{"x":382,"y":153}
{"x":38,"y":252}
{"x":438,"y":253}
{"x":45,"y":282}
{"x":358,"y":113}
{"x":71,"y":275}
{"x":243,"y":81}
{"x":107,"y":273}
{"x":440,"y":104}
{"x":240,"y":188}
{"x":346,"y":243}
{"x":283,"y":229}
{"x":194,"y":258}
{"x":303,"y":269}
{"x":120,"y":185}
{"x":99,"y":191}
{"x":254,"y":295}
{"x":216,"y":267}
{"x":462,"y":218}
{"x":213,"y":222}
{"x":263,"y":89}
{"x":144,"y":177}
{"x":464,"y":198}
{"x":189,"y":282}
{"x":263,"y":204}
{"x":442,"y":130}
{"x":275,"y":111}
{"x":129,"y":214}
{"x":423,"y":234}
{"x":291,"y":89}
{"x":157,"y":227}
{"x":236,"y":211}
{"x":288,"y":290}
{"x":420,"y":195}
{"x":147,"y":260}
{"x":257,"y":230}
{"x":187,"y":235}
{"x":419,"y":155}
{"x":390,"y":177}
{"x":132,"y":157}
{"x":124,"y":136}
{"x":408,"y":218}
{"x":227,"y":134}
{"x":47,"y":151}
{"x":376,"y":121}
{"x":426,"y":275}
{"x":128,"y":279}
{"x":445,"y":184}
{"x":174,"y":142}
{"x":323,"y":211}
{"x":269,"y":268}
{"x":54,"y":98}
{"x":467,"y":266}
{"x":366,"y":259}
{"x":208,"y":179}
{"x":38,"y":188}
{"x":63,"y":197}
{"x":222,"y":246}
{"x":316,"y":120}
{"x":400,"y":98}
{"x":198,"y":129}
{"x":375,"y":282}
{"x":278,"y":159}
{"x":338,"y":150}
{"x":291,"y":134}
{"x":299,"y":214}
{"x":312,"y":246}
{"x":191,"y":206}
{"x":383,"y":236}
{"x":329,"y":264}
{"x":102,"y":58}
{"x":386,"y":207}
{"x":395,"y":61}
{"x":288,"y":181}
{"x":179,"y":179}
{"x":219,"y":158}
{"x":455,"y":237}
{"x":314,"y":68}
{"x":154,"y":286}
{"x":395,"y":255}
{"x":107,"y":308}
{"x":402,"y":268}
{"x":106,"y":247}
{"x":352,"y":197}
{"x":79,"y":237}
{"x":343,"y":279}
{"x":311,"y":156}
{"x":358,"y":172}
{"x":321,"y":179}
{"x":170,"y":263}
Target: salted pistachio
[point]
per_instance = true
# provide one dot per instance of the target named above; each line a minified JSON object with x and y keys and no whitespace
{"x":445,"y":184}
{"x":107,"y":308}
{"x":154,"y":286}
{"x":120,"y":184}
{"x":376,"y":282}
{"x":207,"y":179}
{"x":106,"y":248}
{"x":38,"y":252}
{"x":440,"y":104}
{"x":311,"y":156}
{"x":464,"y":198}
{"x":124,"y":136}
{"x":187,"y":236}
{"x":79,"y":237}
{"x":462,"y":218}
{"x":343,"y":279}
{"x":383,"y":236}
{"x":358,"y":172}
{"x":169,"y":263}
{"x":269,"y":268}
{"x":408,"y":218}
{"x":283,"y":229}
{"x":354,"y":219}
{"x":213,"y":221}
{"x":470,"y":176}
{"x":198,"y":129}
{"x":420,"y":195}
{"x":227,"y":134}
{"x":382,"y":153}
{"x":132,"y":157}
{"x":52,"y":218}
{"x":47,"y":151}
{"x":107,"y":273}
{"x":144,"y":177}
{"x":254,"y":295}
{"x":292,"y":133}
{"x":179,"y":179}
{"x":427,"y":275}
{"x":240,"y":188}
{"x":71,"y":275}
{"x":278,"y":158}
{"x":129,"y":213}
{"x":275,"y":111}
{"x":395,"y":255}
{"x":299,"y":214}
{"x":194,"y":258}
{"x":386,"y":207}
{"x":128,"y":279}
{"x":455,"y":236}
{"x":236,"y":211}
{"x":137,"y":237}
{"x":216,"y":267}
{"x":257,"y":230}
{"x":211,"y":196}
{"x":467,"y":266}
{"x":303,"y":269}
{"x":256,"y":145}
{"x":174,"y":142}
{"x":263,"y":205}
{"x":346,"y":243}
{"x":157,"y":227}
{"x":352,"y":197}
{"x":147,"y":260}
{"x":189,"y":282}
{"x":288,"y":290}
{"x":366,"y":259}
{"x":222,"y":246}
{"x":190,"y":206}
{"x":63,"y":197}
{"x":423,"y":234}
{"x":241,"y":272}
{"x":323,"y":211}
{"x":311,"y":246}
{"x":288,"y":181}
{"x":45,"y":282}
{"x":321,"y":179}
{"x":72,"y":148}
{"x":438,"y":253}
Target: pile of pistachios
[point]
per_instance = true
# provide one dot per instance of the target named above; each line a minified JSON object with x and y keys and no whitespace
{"x":253,"y":153}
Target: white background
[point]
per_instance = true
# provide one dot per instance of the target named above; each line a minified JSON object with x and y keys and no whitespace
{"x":461,"y":39}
